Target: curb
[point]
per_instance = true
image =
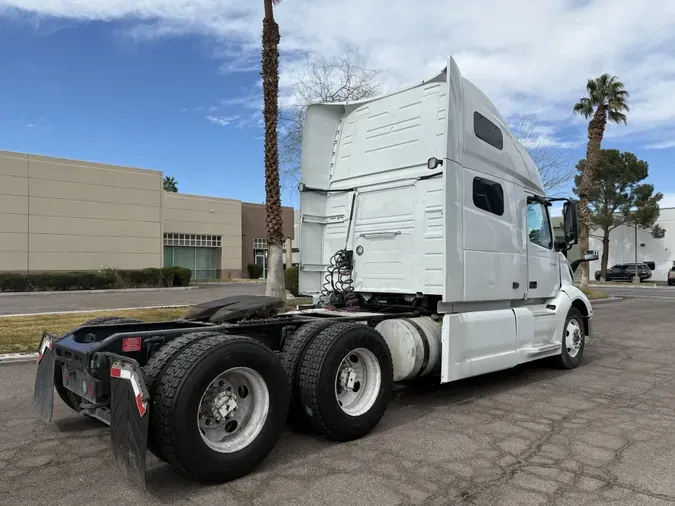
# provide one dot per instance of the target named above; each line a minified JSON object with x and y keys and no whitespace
{"x":605,"y":300}
{"x":17,"y":358}
{"x":113,"y":290}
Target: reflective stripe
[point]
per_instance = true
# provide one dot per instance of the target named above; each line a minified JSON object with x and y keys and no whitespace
{"x":127,"y":374}
{"x":44,"y":344}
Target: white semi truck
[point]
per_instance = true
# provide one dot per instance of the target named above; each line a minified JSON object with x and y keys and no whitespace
{"x":428,"y":249}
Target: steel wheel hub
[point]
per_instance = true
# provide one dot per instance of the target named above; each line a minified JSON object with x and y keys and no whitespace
{"x":357,"y":382}
{"x":233,"y":410}
{"x":573,"y":338}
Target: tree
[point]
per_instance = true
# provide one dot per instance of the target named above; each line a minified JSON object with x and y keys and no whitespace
{"x":617,"y":197}
{"x":170,"y":184}
{"x":555,"y":167}
{"x":343,"y":78}
{"x":607,"y":100}
{"x":273,"y":217}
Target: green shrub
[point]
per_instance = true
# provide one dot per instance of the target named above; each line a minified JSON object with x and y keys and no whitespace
{"x":14,"y":282}
{"x":184,"y":276}
{"x":62,"y":281}
{"x":144,"y":278}
{"x":254,"y":271}
{"x":291,"y":280}
{"x":176,"y":276}
{"x":94,"y":280}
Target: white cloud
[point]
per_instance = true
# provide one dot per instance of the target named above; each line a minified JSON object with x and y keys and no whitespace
{"x":222,"y":120}
{"x":662,"y":145}
{"x":523,"y":54}
{"x":30,"y":125}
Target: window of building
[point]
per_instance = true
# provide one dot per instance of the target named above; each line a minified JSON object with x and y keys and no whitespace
{"x":488,"y":196}
{"x":487,"y":131}
{"x":538,"y":226}
{"x":209,"y":241}
{"x":259,"y":243}
{"x":199,"y":253}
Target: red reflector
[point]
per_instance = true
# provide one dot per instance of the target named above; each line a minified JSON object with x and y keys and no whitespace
{"x":131,"y":344}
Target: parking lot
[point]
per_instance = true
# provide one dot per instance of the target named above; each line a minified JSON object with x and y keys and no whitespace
{"x":601,"y":434}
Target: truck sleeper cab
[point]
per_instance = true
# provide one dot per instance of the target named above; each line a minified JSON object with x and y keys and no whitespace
{"x":427,"y":247}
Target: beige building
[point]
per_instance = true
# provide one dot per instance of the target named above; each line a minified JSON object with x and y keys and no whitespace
{"x":58,"y":214}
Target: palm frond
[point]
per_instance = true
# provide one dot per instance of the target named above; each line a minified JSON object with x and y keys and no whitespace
{"x":616,"y":116}
{"x":584,"y":107}
{"x":276,"y":2}
{"x":618,"y":105}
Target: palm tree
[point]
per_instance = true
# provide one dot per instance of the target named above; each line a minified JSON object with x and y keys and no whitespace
{"x":170,"y":184}
{"x":607,"y":100}
{"x":274,"y":221}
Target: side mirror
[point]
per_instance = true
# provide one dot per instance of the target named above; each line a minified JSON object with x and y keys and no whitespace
{"x":433,"y":162}
{"x":570,"y":222}
{"x":591,"y":255}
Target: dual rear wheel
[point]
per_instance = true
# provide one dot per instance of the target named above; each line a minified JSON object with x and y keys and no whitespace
{"x":220,"y":403}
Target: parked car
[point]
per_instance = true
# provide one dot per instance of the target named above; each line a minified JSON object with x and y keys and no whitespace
{"x":671,"y":276}
{"x":626,"y":272}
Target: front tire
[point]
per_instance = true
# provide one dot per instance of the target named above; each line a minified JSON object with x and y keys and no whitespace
{"x":236,"y":383}
{"x":346,"y":380}
{"x":573,"y":340}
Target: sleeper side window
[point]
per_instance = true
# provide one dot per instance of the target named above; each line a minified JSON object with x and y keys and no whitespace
{"x":538,"y":227}
{"x":488,"y":196}
{"x":487,"y":131}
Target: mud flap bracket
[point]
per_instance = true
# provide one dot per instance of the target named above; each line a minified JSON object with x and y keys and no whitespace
{"x":129,"y":416}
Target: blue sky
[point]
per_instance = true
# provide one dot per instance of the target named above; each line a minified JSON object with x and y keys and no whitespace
{"x":80,"y":92}
{"x":173,"y":84}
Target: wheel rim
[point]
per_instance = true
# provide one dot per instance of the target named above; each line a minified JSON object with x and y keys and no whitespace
{"x":233,"y":410}
{"x":574,"y":338}
{"x":357,"y":382}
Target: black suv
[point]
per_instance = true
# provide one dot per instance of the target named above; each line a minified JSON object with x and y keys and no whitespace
{"x":626,"y":272}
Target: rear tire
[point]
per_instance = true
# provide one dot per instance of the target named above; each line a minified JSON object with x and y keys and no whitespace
{"x":191,"y":378}
{"x":291,"y":358}
{"x":573,"y":341}
{"x":71,"y":399}
{"x":346,"y":354}
{"x":152,"y":372}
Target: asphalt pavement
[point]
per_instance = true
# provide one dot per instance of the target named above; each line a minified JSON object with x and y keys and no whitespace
{"x":34,"y":303}
{"x":603,"y":434}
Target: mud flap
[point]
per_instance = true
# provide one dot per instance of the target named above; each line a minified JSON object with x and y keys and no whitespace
{"x":43,"y":391}
{"x":129,"y":415}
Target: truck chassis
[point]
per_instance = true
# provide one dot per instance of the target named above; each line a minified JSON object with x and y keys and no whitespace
{"x":211,"y":393}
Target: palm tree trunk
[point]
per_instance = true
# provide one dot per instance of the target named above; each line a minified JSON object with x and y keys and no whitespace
{"x":274,"y":220}
{"x":596,"y":130}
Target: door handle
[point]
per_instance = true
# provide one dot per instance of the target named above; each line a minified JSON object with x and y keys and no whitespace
{"x":533,"y":284}
{"x":515,"y":285}
{"x":379,"y":234}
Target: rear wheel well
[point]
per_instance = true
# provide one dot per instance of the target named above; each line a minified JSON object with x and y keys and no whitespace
{"x":579,"y":305}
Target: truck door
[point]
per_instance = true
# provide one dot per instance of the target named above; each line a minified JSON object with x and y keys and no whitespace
{"x":542,"y":259}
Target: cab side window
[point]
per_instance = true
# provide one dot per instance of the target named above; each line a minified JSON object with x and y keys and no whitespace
{"x":538,"y":226}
